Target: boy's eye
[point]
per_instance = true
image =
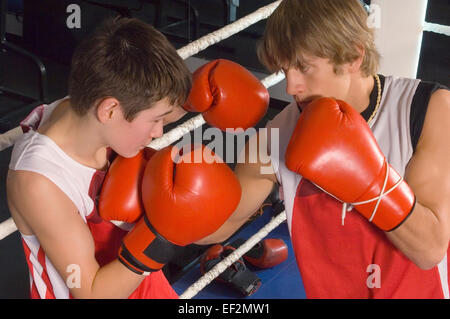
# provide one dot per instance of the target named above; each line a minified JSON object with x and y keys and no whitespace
{"x":304,"y":68}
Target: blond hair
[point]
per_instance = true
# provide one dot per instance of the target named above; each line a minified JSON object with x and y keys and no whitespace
{"x":333,"y":29}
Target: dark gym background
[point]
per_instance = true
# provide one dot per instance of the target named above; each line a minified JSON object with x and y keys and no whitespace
{"x":46,"y":43}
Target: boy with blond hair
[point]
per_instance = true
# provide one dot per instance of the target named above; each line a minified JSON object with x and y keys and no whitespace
{"x":362,"y":164}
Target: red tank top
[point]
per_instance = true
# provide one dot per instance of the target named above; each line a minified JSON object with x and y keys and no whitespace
{"x":354,"y":260}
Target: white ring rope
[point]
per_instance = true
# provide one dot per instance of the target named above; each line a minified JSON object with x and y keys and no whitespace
{"x":9,"y":138}
{"x":198,"y":121}
{"x":228,"y":30}
{"x":7,"y":228}
{"x":437,"y":28}
{"x":177,"y":132}
{"x":234,"y":256}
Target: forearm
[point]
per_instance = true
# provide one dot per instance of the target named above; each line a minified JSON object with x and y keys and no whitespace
{"x":421,"y":237}
{"x":223,"y":233}
{"x":112,"y":281}
{"x":244,"y":211}
{"x":254,"y":194}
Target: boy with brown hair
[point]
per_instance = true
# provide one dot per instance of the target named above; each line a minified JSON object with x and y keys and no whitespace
{"x":125,"y":79}
{"x":358,"y":229}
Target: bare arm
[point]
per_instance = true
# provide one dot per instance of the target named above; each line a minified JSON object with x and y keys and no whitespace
{"x":66,"y":239}
{"x":256,"y":186}
{"x":424,"y":237}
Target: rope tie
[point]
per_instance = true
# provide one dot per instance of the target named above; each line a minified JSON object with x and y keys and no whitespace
{"x":347,"y":207}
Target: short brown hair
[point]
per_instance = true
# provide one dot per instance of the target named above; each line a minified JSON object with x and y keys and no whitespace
{"x":332,"y":29}
{"x":131,"y":61}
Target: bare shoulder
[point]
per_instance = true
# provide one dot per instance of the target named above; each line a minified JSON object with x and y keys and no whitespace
{"x":21,"y":180}
{"x":27,"y":189}
{"x":440,"y":100}
{"x":434,"y":141}
{"x":438,"y":115}
{"x":37,"y":204}
{"x":428,"y":171}
{"x":435,"y":132}
{"x":441,"y":95}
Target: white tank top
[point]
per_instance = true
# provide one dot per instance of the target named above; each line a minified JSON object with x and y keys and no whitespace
{"x":38,"y":153}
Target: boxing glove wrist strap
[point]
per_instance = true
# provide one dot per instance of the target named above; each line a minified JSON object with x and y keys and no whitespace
{"x":349,"y":206}
{"x":159,"y":250}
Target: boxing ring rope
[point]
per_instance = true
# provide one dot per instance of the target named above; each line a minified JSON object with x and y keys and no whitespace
{"x":198,"y":120}
{"x":7,"y":139}
{"x":233,"y":257}
{"x":437,"y":28}
{"x":228,"y":30}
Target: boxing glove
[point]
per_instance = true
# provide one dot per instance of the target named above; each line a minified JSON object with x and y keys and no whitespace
{"x":120,"y":199}
{"x":185,"y":199}
{"x":333,"y":147}
{"x":237,"y":275}
{"x":268,"y":253}
{"x":228,"y":95}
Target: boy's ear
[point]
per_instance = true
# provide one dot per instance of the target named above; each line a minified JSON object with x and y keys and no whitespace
{"x":355,"y":66}
{"x":107,"y":108}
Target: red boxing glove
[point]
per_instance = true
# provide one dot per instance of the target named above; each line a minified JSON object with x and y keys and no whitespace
{"x":333,"y":147}
{"x":268,"y":253}
{"x":120,"y":198}
{"x":184,"y":202}
{"x":228,"y":95}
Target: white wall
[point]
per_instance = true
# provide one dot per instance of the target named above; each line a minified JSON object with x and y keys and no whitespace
{"x":399,"y":37}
